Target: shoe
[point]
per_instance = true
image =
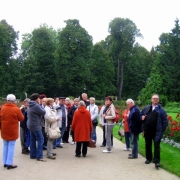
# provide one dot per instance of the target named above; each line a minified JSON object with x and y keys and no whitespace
{"x":72,"y":142}
{"x":106,"y":151}
{"x":129,"y":154}
{"x":127,"y":149}
{"x":43,"y":160}
{"x":102,"y":145}
{"x":11,"y":167}
{"x":157,"y":165}
{"x":25,"y":152}
{"x":59,"y":146}
{"x":78,"y":155}
{"x":132,"y":157}
{"x":51,"y":157}
{"x":54,"y":147}
{"x":147,"y":161}
{"x":61,"y":143}
{"x":54,"y":154}
{"x":44,"y":148}
{"x":84,"y":155}
{"x":5,"y":165}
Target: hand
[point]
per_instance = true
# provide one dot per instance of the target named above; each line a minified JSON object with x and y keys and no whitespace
{"x":58,"y":118}
{"x":143,"y":117}
{"x":100,"y":125}
{"x":104,"y":115}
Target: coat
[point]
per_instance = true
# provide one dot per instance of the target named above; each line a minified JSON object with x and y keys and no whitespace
{"x":110,"y":114}
{"x":81,"y":125}
{"x":10,"y":117}
{"x":125,"y":120}
{"x":50,"y":119}
{"x":101,"y":119}
{"x":162,"y":121}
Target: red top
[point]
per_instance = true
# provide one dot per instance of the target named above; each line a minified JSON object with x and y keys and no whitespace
{"x":10,"y":116}
{"x":125,"y":120}
{"x":81,"y":124}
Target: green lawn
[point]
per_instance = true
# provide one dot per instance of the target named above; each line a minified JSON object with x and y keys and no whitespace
{"x":173,"y":115}
{"x":170,"y":156}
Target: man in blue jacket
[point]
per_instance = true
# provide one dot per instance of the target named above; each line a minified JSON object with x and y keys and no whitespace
{"x":155,"y":122}
{"x":34,"y":113}
{"x":135,"y":124}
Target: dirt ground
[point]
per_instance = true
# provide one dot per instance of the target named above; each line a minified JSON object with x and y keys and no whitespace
{"x":97,"y":165}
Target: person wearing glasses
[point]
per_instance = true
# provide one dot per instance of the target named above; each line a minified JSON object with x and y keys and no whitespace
{"x":155,"y":121}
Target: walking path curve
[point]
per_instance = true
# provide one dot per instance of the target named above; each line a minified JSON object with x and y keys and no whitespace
{"x":96,"y":166}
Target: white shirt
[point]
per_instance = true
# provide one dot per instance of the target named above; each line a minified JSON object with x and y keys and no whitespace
{"x":93,"y":111}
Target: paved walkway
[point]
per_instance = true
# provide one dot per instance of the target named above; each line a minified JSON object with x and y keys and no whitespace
{"x":97,"y":165}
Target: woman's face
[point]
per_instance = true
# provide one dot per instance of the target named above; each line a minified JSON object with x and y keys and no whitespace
{"x":91,"y":101}
{"x":107,"y":102}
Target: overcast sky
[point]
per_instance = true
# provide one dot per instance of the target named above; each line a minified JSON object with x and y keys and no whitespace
{"x":152,"y":17}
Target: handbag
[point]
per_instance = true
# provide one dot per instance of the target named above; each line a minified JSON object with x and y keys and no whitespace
{"x":54,"y":133}
{"x":95,"y":122}
{"x":120,"y":132}
{"x":92,"y":144}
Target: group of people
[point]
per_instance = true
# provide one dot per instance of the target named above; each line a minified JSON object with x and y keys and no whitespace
{"x":79,"y":119}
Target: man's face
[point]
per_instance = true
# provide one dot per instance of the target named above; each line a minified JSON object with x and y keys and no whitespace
{"x":91,"y":101}
{"x":67,"y":102}
{"x":129,"y":105}
{"x":62,"y":101}
{"x":76,"y":103}
{"x":57,"y":100}
{"x":155,"y":100}
{"x":84,"y":97}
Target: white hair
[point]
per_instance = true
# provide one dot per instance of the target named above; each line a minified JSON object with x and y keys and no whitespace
{"x":130,"y":101}
{"x":11,"y":97}
{"x":92,"y":98}
{"x":81,"y":103}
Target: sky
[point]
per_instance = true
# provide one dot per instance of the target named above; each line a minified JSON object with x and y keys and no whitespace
{"x":152,"y":17}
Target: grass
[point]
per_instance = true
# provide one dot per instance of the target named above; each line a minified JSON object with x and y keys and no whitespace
{"x":172,"y":114}
{"x":170,"y":156}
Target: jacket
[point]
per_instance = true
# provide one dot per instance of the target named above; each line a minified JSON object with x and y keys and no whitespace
{"x":71,"y":114}
{"x":34,"y":116}
{"x":162,"y":121}
{"x":93,"y":109}
{"x":50,"y":119}
{"x":110,"y":114}
{"x":59,"y":113}
{"x":10,"y":117}
{"x":81,"y":125}
{"x":125,"y":120}
{"x":134,"y":120}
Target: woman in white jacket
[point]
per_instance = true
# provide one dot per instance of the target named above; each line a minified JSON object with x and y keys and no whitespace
{"x":51,"y":120}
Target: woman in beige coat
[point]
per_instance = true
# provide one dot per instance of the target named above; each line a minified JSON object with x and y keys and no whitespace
{"x":109,"y":115}
{"x":51,"y":120}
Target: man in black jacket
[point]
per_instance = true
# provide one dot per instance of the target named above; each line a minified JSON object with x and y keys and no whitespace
{"x":154,"y":124}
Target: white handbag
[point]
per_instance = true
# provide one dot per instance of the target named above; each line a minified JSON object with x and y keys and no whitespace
{"x":54,"y":133}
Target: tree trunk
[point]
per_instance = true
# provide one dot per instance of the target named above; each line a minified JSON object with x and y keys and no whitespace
{"x":120,"y":85}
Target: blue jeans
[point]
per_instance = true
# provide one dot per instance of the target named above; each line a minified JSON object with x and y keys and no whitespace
{"x":135,"y":138}
{"x":58,"y":140}
{"x":36,"y":152}
{"x":93,"y":134}
{"x":8,"y":152}
{"x":127,"y":139}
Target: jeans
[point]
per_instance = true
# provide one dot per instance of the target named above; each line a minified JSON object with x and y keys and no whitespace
{"x":59,"y":140}
{"x":135,"y":138}
{"x":104,"y":137}
{"x":8,"y":152}
{"x":109,"y":130}
{"x":36,"y":151}
{"x":93,"y":133}
{"x":127,"y":139}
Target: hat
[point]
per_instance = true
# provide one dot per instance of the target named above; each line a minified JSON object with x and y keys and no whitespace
{"x":67,"y":99}
{"x":11,"y":97}
{"x":62,"y":97}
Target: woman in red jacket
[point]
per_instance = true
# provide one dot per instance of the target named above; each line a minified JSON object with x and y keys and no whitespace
{"x":82,"y":127}
{"x":10,"y":117}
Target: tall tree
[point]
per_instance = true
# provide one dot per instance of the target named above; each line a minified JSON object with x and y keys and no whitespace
{"x":102,"y":73}
{"x":122,"y":38}
{"x":72,"y":58}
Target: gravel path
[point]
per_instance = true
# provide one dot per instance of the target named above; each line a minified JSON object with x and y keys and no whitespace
{"x":97,"y":165}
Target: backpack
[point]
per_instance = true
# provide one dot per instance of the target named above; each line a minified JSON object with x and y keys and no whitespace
{"x":117,"y":116}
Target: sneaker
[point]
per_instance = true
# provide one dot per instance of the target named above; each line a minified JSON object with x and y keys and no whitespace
{"x":61,"y":143}
{"x":72,"y":142}
{"x":127,"y":149}
{"x":106,"y":151}
{"x":51,"y":157}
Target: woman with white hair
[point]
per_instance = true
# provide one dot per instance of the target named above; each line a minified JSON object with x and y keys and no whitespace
{"x":93,"y":109}
{"x":82,"y":127}
{"x":10,"y":116}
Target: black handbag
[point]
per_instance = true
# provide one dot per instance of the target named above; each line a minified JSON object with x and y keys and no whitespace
{"x":95,"y":122}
